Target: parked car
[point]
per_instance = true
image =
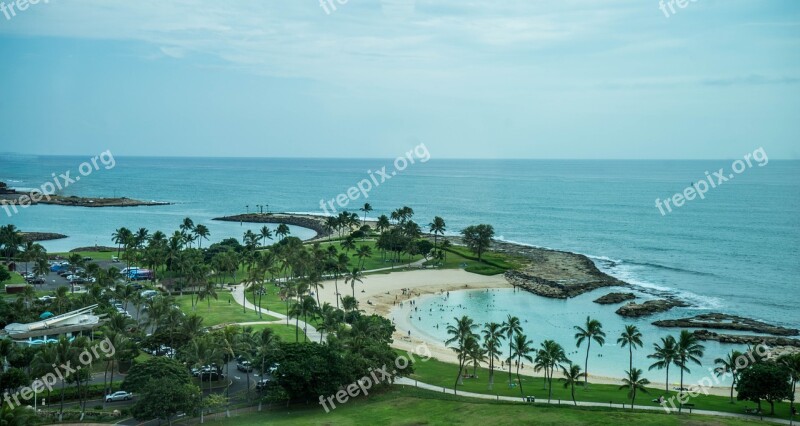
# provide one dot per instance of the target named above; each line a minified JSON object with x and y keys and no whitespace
{"x":244,"y":366}
{"x":35,"y":280}
{"x":47,"y":299}
{"x":119,"y":396}
{"x":262,"y":384}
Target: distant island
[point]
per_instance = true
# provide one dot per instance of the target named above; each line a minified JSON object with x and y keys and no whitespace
{"x":19,"y":198}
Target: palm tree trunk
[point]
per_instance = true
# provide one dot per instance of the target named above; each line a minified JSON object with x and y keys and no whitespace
{"x":666,"y":387}
{"x":680,"y":392}
{"x":586,"y":364}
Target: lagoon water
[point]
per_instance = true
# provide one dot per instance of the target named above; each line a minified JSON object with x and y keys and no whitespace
{"x":736,"y":251}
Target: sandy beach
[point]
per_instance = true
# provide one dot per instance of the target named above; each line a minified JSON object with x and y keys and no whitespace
{"x":381,"y":293}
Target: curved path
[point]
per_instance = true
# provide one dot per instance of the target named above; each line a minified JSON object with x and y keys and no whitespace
{"x":239,"y":296}
{"x":411,"y":382}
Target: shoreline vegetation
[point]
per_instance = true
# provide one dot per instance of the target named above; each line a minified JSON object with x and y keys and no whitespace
{"x":341,"y":289}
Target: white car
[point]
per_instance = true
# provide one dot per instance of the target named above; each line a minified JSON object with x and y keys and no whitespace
{"x":119,"y":396}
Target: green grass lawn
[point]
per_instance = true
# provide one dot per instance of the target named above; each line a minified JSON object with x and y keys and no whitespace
{"x":439,"y":373}
{"x":492,"y":263}
{"x":223,"y":310}
{"x":95,"y":255}
{"x":15,"y":279}
{"x":285,"y":332}
{"x":409,"y":406}
{"x":374,"y":262}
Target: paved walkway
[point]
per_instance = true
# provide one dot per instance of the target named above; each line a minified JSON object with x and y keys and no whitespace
{"x":411,"y":382}
{"x":239,"y":297}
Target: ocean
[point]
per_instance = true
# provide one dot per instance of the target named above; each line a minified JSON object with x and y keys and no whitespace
{"x":735,"y":251}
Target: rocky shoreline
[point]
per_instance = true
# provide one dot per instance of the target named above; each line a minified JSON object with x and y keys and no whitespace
{"x":42,"y":236}
{"x":553,"y":273}
{"x":650,"y":307}
{"x":314,"y":223}
{"x":19,"y":200}
{"x":718,"y":321}
{"x":747,"y":339}
{"x":612,"y":298}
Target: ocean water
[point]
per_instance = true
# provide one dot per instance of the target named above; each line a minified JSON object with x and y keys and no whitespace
{"x":736,"y":251}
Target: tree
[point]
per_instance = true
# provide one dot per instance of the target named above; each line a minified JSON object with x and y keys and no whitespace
{"x":632,"y":338}
{"x":282,"y":231}
{"x":201,"y":232}
{"x":550,"y":356}
{"x":4,"y":274}
{"x":366,"y":209}
{"x":687,"y":350}
{"x":665,"y":356}
{"x":792,"y":364}
{"x":572,"y":375}
{"x":727,"y":366}
{"x":593,"y":331}
{"x":478,"y":238}
{"x":521,"y":350}
{"x":163,"y":398}
{"x":767,"y":381}
{"x":492,"y":336}
{"x":460,"y":333}
{"x":162,"y":367}
{"x":352,"y":277}
{"x":634,"y":382}
{"x":437,"y":227}
{"x":510,"y":327}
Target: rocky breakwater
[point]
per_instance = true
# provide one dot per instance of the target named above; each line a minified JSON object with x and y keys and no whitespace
{"x":747,"y":339}
{"x":613,"y":298}
{"x":650,"y":307}
{"x":315,"y":223}
{"x":41,"y":236}
{"x":718,"y":321}
{"x":555,"y":274}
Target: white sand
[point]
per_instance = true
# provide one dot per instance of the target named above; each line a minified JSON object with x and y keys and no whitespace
{"x":380,"y":294}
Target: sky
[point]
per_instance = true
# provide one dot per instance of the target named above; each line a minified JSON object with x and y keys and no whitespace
{"x":537,"y":79}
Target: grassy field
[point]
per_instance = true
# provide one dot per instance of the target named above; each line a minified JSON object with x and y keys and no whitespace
{"x":285,"y":332}
{"x":223,"y":310}
{"x":409,"y":406}
{"x":438,"y":373}
{"x":492,"y":263}
{"x":95,"y":255}
{"x":376,"y":260}
{"x":15,"y":279}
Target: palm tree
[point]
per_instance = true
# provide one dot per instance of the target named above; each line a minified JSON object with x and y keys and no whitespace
{"x":634,"y":382}
{"x":265,"y":234}
{"x":366,"y":209}
{"x":727,"y":365}
{"x":187,"y":225}
{"x":202,"y":233}
{"x":688,"y":349}
{"x":120,"y":236}
{"x":792,"y":363}
{"x":572,"y":375}
{"x":665,"y":356}
{"x":30,"y":252}
{"x":550,"y":356}
{"x":282,"y":231}
{"x":492,"y":335}
{"x":521,"y":350}
{"x":352,"y":277}
{"x":437,"y":227}
{"x":510,"y":327}
{"x":631,"y":338}
{"x":461,"y":332}
{"x":476,"y":354}
{"x":267,"y":343}
{"x":363,"y":252}
{"x":592,"y":331}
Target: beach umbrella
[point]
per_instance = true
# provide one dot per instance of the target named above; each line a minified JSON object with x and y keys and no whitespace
{"x":46,"y":315}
